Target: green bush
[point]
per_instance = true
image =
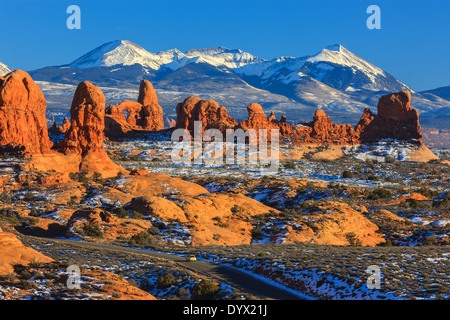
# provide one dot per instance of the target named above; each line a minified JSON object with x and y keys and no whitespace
{"x":166,"y":280}
{"x":6,"y":197}
{"x":379,"y":193}
{"x":141,"y":239}
{"x":290,"y":165}
{"x":235,"y":209}
{"x":256,"y":232}
{"x":136,"y":215}
{"x":347,"y":174}
{"x":206,"y":289}
{"x":92,"y":231}
{"x":120,"y":212}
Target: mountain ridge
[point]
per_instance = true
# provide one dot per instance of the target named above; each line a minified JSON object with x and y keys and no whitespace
{"x":334,"y":79}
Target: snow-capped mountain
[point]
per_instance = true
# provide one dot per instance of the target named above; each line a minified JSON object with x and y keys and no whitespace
{"x":127,"y":53}
{"x":4,"y":69}
{"x":335,"y":66}
{"x":443,"y":92}
{"x":334,"y":79}
{"x":119,"y":52}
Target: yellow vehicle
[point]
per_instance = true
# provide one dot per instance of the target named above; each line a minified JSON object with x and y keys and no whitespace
{"x":191,"y":257}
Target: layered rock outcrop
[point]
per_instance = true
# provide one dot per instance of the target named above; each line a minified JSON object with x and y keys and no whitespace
{"x":61,"y":129}
{"x":396,"y":119}
{"x":145,"y":114}
{"x":86,"y":133}
{"x":208,"y":112}
{"x":325,"y":131}
{"x":23,"y":123}
{"x":13,"y":252}
{"x":342,"y":225}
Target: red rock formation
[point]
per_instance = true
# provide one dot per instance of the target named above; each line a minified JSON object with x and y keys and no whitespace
{"x":152,"y":111}
{"x":320,"y":130}
{"x":171,"y":123}
{"x":324,"y":131}
{"x":208,"y":112}
{"x":61,"y":129}
{"x":145,"y":114}
{"x":396,"y":119}
{"x":85,"y":135}
{"x":13,"y":252}
{"x":22,"y":114}
{"x":257,"y":119}
{"x":184,"y":110}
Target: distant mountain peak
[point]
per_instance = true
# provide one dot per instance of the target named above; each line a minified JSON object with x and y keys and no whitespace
{"x":4,"y":69}
{"x":208,"y":51}
{"x":116,"y":52}
{"x":335,"y":47}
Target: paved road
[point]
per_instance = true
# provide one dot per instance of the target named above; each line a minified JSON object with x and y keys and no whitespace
{"x":235,"y":278}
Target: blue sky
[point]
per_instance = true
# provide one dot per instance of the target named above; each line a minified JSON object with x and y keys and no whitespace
{"x":413,"y":43}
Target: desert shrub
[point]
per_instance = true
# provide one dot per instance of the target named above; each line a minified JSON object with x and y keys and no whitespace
{"x":27,"y":284}
{"x":140,"y":239}
{"x":92,"y":231}
{"x":379,"y":193}
{"x":72,"y":201}
{"x":206,"y":289}
{"x":353,"y":240}
{"x":256,"y":232}
{"x":389,"y":159}
{"x":136,"y":215}
{"x":427,"y":192}
{"x":120,"y":212}
{"x":97,"y":176}
{"x":30,"y":196}
{"x":440,"y":203}
{"x":290,"y":165}
{"x":79,"y":176}
{"x":429,"y":241}
{"x":414,"y":203}
{"x":6,"y":197}
{"x":388,"y":243}
{"x":166,"y":280}
{"x":183,"y":293}
{"x":153,"y":231}
{"x":9,"y":277}
{"x":13,"y":218}
{"x":35,"y":212}
{"x":347,"y":174}
{"x":235,"y":209}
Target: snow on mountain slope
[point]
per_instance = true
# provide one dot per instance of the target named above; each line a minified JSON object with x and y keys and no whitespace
{"x":335,"y":66}
{"x":4,"y":69}
{"x":120,"y":52}
{"x":123,"y":52}
{"x":334,"y":79}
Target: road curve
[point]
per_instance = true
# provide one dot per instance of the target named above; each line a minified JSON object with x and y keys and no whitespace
{"x":235,"y":278}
